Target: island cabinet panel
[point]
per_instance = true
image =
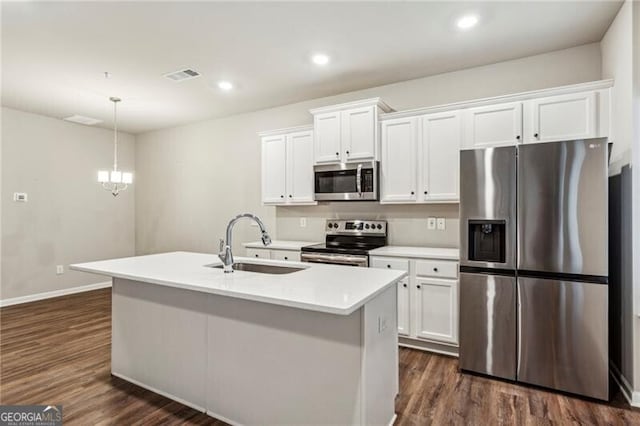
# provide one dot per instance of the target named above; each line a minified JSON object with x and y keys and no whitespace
{"x":159,"y":339}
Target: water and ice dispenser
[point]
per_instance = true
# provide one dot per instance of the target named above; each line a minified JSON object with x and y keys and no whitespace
{"x":487,"y":240}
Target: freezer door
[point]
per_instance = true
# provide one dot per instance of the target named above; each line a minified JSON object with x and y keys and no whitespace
{"x":488,"y":324}
{"x":563,"y":336}
{"x":563,"y":207}
{"x":488,"y":193}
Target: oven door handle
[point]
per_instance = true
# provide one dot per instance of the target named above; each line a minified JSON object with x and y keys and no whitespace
{"x":337,"y":259}
{"x":359,"y":180}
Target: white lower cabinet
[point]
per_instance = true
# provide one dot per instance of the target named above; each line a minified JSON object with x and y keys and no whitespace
{"x":427,"y":301}
{"x":437,"y":310}
{"x":264,"y":253}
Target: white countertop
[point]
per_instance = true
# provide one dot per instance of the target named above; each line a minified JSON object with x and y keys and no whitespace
{"x":281,"y":245}
{"x":417,"y":252}
{"x":332,"y":289}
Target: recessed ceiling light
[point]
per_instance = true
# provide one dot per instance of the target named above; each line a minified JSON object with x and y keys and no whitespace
{"x":225,"y":85}
{"x":81,"y":119}
{"x":320,"y":59}
{"x":467,"y":22}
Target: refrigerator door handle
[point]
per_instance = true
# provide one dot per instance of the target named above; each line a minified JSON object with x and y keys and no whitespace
{"x":519,"y":328}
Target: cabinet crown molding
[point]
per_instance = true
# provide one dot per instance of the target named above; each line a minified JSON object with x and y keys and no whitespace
{"x":522,"y":96}
{"x":354,"y":104}
{"x":305,"y":128}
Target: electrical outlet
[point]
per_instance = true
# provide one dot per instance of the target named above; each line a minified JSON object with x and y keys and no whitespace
{"x":431,"y":223}
{"x":303,"y":222}
{"x":441,"y":224}
{"x":20,"y":197}
{"x":59,"y":269}
{"x":382,"y":324}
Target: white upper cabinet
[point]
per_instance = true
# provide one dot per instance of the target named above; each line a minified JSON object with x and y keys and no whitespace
{"x":562,"y":117}
{"x":359,"y":133}
{"x":274,"y":154}
{"x":327,"y":137}
{"x":493,"y":125}
{"x":287,"y":167}
{"x":399,"y":163}
{"x":347,"y":132}
{"x":300,"y":188}
{"x":441,"y":139}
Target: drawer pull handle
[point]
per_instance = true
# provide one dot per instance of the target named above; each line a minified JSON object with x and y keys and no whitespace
{"x":388,"y":266}
{"x":286,"y":258}
{"x":404,"y":285}
{"x":418,"y":286}
{"x":256,"y":255}
{"x":435,"y":269}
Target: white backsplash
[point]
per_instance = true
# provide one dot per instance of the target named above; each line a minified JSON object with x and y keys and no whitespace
{"x":407,"y":224}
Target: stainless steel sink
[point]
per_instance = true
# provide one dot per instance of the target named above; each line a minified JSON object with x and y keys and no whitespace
{"x":260,"y":268}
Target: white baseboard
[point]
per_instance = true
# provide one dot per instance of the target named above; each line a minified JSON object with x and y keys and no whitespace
{"x":633,"y":397}
{"x":51,"y":294}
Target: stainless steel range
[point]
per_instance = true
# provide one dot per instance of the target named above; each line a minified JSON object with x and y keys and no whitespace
{"x":347,"y":242}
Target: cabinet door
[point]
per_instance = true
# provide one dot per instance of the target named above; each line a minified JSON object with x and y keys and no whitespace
{"x":493,"y":125}
{"x":327,"y":134}
{"x":399,"y":160}
{"x":561,"y":118}
{"x":441,"y":139}
{"x":403,"y":307}
{"x":300,"y":167}
{"x":274,"y":169}
{"x":437,"y":310}
{"x":359,"y":134}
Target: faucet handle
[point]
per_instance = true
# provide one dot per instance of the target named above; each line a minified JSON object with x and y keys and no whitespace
{"x":221,"y":245}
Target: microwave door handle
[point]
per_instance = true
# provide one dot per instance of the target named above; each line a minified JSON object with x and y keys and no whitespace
{"x":359,"y":180}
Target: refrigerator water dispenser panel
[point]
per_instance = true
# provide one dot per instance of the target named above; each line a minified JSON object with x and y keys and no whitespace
{"x":487,"y":239}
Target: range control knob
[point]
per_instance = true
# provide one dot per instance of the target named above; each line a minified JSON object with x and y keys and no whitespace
{"x":335,"y":225}
{"x":330,"y":225}
{"x":379,"y":226}
{"x":366,"y":226}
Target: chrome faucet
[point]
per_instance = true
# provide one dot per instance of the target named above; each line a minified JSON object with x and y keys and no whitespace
{"x":225,"y":255}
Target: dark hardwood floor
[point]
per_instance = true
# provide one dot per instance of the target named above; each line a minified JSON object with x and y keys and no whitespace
{"x":57,"y":352}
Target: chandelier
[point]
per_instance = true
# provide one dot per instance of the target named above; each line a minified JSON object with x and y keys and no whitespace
{"x":115,"y":180}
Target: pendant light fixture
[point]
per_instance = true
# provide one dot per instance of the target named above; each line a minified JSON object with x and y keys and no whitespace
{"x":115,"y":180}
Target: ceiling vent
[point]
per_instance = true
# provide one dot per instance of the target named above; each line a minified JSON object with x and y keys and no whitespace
{"x":81,"y":119}
{"x":182,"y":75}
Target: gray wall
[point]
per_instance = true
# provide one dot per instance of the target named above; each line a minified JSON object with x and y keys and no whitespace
{"x":617,"y":63}
{"x":68,"y":218}
{"x":192,"y":179}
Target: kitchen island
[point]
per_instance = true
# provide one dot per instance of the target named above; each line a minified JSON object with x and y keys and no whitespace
{"x":315,"y":346}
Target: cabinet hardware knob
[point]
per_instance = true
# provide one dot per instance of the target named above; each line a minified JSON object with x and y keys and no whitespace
{"x":418,"y":286}
{"x":290,"y":196}
{"x":347,"y":152}
{"x":404,"y":285}
{"x":256,"y":255}
{"x":426,"y":192}
{"x":337,"y":153}
{"x":412,"y":192}
{"x":535,"y":135}
{"x":388,"y":266}
{"x":286,"y":258}
{"x":282,"y":196}
{"x":435,"y":269}
{"x":518,"y":137}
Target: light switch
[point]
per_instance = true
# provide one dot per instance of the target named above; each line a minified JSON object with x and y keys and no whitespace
{"x":20,"y":197}
{"x":59,"y":269}
{"x":431,"y":223}
{"x":303,"y":222}
{"x":441,"y":224}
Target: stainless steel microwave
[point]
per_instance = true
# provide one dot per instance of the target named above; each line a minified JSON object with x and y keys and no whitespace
{"x":347,"y":181}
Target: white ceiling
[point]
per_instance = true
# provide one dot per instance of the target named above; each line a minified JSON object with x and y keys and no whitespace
{"x":54,"y":54}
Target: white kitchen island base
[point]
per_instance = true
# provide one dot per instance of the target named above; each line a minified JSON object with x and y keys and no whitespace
{"x":249,"y":362}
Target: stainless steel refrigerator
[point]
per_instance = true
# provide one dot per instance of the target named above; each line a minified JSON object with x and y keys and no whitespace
{"x":534,"y":264}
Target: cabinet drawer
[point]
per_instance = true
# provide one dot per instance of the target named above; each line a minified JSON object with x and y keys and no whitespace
{"x":390,"y":263}
{"x":437,"y":268}
{"x":292,"y":256}
{"x":258,"y":253}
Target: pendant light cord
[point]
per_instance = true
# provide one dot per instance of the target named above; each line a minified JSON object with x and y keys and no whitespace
{"x":115,"y":135}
